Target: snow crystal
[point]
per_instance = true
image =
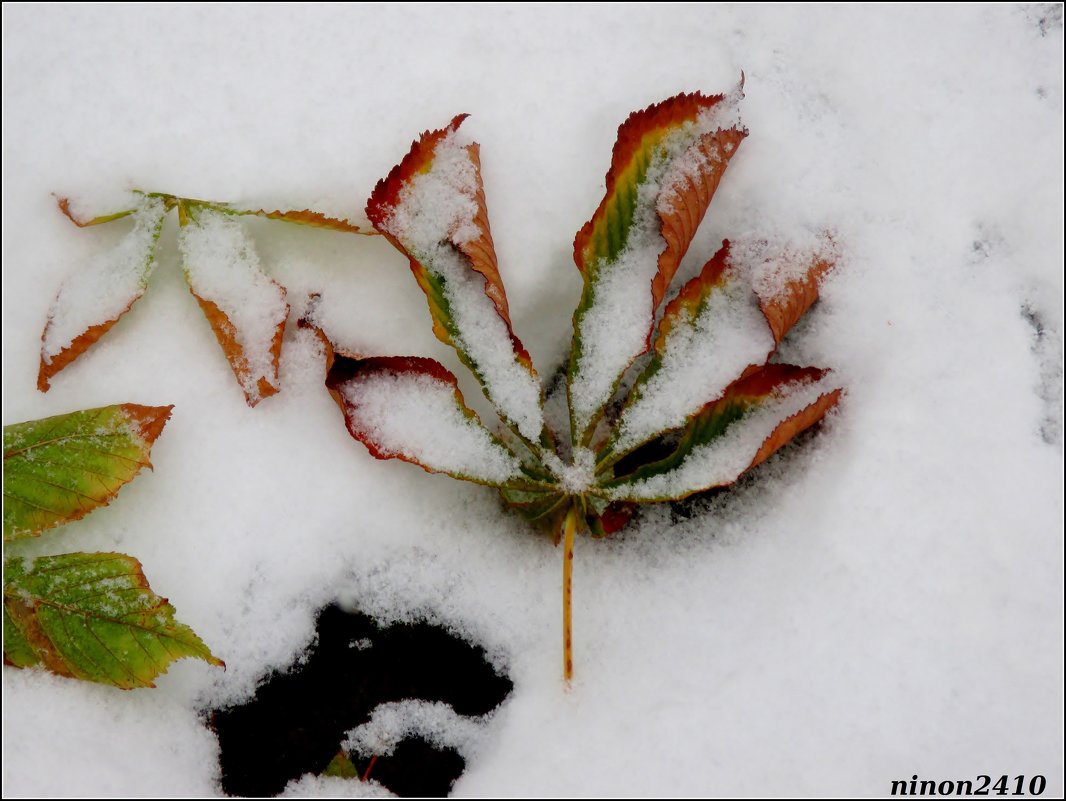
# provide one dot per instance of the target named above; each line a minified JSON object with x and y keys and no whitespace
{"x":311,"y":786}
{"x":772,"y":261}
{"x":704,"y":353}
{"x":416,"y":416}
{"x":436,"y":209}
{"x":720,"y":461}
{"x":222,"y":266}
{"x":107,"y":285}
{"x":577,"y":476}
{"x":614,"y":331}
{"x":436,"y":722}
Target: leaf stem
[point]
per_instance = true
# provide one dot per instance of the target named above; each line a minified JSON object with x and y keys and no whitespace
{"x":569,"y":528}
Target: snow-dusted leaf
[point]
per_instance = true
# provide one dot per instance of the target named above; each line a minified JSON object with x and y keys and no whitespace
{"x":785,"y":276}
{"x":666,"y":166}
{"x":61,"y":468}
{"x":432,"y":207}
{"x":756,"y":416}
{"x":723,"y":324}
{"x":92,"y":616}
{"x":245,"y":307}
{"x":92,"y":299}
{"x":410,"y":408}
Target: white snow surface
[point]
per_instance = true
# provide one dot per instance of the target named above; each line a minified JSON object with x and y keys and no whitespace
{"x":417,"y":416}
{"x":222,"y":266}
{"x":884,"y":601}
{"x":434,"y":213}
{"x":106,"y":285}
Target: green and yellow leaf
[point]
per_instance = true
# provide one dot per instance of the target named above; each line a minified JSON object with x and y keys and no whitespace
{"x":61,"y":468}
{"x":755,"y":417}
{"x":92,"y":299}
{"x":92,"y":616}
{"x":432,"y":208}
{"x":341,"y":767}
{"x":667,"y":163}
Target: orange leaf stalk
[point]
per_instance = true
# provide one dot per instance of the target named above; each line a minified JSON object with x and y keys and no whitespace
{"x":569,"y":528}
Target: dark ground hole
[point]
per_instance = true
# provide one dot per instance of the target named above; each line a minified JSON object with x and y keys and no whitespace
{"x":297,"y":719}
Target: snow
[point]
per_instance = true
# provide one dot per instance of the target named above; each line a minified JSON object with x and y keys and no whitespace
{"x":882,"y":601}
{"x":435,"y":214}
{"x":437,"y":723}
{"x":418,"y":417}
{"x":107,"y":285}
{"x":222,"y":266}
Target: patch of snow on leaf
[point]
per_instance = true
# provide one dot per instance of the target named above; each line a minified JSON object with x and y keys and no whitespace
{"x":577,"y":476}
{"x":222,"y":266}
{"x":706,"y":350}
{"x":105,"y":287}
{"x":434,"y":214}
{"x":721,"y":461}
{"x":417,"y":417}
{"x":771,"y":262}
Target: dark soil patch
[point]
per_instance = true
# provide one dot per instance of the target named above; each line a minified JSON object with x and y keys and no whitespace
{"x":297,"y":719}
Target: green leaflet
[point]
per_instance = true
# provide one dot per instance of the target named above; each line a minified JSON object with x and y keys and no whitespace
{"x":92,"y":616}
{"x":755,"y":417}
{"x":61,"y":468}
{"x":341,"y":767}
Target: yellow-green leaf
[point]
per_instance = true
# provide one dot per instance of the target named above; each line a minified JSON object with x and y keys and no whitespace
{"x":92,"y":616}
{"x":61,"y":468}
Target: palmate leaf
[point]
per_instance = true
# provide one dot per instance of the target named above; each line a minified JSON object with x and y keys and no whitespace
{"x":93,"y":299}
{"x":245,"y":307}
{"x":61,"y":468}
{"x":432,"y":207}
{"x":92,"y":616}
{"x":706,"y":406}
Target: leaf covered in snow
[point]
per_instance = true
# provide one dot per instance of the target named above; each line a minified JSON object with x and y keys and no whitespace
{"x":245,"y":307}
{"x":667,"y":164}
{"x":704,"y":407}
{"x":410,"y":408}
{"x":432,"y":207}
{"x":92,"y":616}
{"x":61,"y":468}
{"x":92,"y":299}
{"x":751,"y":420}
